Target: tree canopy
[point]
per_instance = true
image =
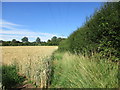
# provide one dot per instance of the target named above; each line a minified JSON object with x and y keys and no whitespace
{"x":24,"y":39}
{"x":53,"y":42}
{"x":38,"y":40}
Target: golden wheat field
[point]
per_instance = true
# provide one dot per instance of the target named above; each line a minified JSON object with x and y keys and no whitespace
{"x":33,"y":61}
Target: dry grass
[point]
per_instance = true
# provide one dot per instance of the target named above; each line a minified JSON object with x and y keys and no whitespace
{"x":33,"y":61}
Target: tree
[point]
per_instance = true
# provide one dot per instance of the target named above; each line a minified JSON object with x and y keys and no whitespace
{"x":24,"y":39}
{"x":54,"y":38}
{"x":14,"y":40}
{"x":38,"y":40}
{"x":48,"y":41}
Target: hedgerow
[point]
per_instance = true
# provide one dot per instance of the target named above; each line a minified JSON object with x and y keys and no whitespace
{"x":100,"y":33}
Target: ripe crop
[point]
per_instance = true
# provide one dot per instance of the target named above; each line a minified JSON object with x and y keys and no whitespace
{"x":32,"y":61}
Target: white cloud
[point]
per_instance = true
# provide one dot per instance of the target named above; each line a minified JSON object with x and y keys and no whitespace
{"x":3,"y":22}
{"x":24,"y":32}
{"x":11,"y":30}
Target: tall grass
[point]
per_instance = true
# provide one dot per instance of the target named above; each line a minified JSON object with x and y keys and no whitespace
{"x":78,"y":71}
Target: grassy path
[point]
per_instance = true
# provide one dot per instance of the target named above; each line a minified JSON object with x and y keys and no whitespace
{"x":78,"y":71}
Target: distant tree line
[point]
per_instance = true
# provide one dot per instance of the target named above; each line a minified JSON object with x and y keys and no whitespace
{"x":100,"y":34}
{"x":25,"y":42}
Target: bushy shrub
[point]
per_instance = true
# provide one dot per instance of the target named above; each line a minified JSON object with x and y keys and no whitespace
{"x":100,"y":33}
{"x":64,"y":45}
{"x":10,"y":76}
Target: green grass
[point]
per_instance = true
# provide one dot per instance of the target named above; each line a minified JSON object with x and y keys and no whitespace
{"x":10,"y":76}
{"x":73,"y":71}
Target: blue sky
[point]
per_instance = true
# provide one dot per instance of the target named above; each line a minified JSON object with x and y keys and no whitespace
{"x":43,"y":19}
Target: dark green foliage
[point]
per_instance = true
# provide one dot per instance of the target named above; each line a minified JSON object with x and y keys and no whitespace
{"x":10,"y":77}
{"x":38,"y":40}
{"x":64,"y":45}
{"x":100,"y":33}
{"x":24,"y":39}
{"x":105,"y":29}
{"x":14,"y":40}
{"x":53,"y":42}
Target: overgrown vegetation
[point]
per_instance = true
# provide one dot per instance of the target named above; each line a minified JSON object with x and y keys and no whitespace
{"x":10,"y":76}
{"x":89,"y":57}
{"x":100,"y":33}
{"x":88,"y":54}
{"x":78,"y":71}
